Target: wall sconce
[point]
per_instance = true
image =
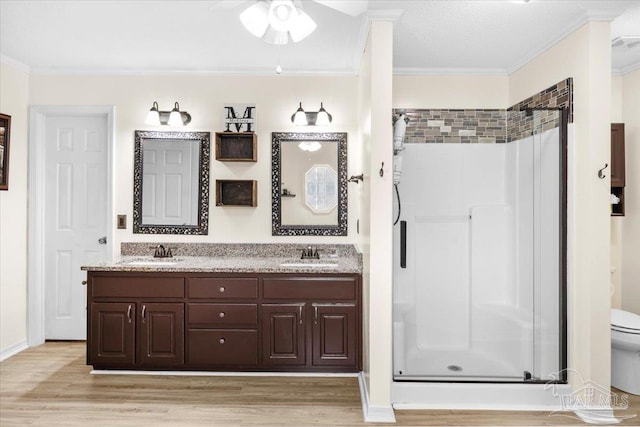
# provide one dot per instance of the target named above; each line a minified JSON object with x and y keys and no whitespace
{"x":311,"y":118}
{"x":174,"y":117}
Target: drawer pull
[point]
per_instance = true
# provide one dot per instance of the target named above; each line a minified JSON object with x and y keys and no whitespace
{"x":221,"y":315}
{"x":221,"y":289}
{"x":221,"y":341}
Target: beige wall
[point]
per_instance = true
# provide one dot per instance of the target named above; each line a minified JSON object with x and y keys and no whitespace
{"x":630,"y":224}
{"x":475,"y":91}
{"x":616,"y":222}
{"x":584,"y":55}
{"x":203,"y":96}
{"x":375,"y":83}
{"x":14,"y":97}
{"x":364,"y":199}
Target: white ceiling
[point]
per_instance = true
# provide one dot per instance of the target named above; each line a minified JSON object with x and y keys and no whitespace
{"x":472,"y":36}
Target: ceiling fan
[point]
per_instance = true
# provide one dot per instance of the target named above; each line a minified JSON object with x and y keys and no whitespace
{"x":278,"y":21}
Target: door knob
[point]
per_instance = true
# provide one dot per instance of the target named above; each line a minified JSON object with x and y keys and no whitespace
{"x":102,"y":240}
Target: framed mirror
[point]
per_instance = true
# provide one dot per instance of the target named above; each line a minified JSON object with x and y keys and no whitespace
{"x":309,"y":184}
{"x":171,"y":182}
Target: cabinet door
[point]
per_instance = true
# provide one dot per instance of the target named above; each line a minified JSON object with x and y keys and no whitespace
{"x":617,"y":155}
{"x":161,"y":333}
{"x":112,"y":335}
{"x":334,"y":335}
{"x":283,"y":336}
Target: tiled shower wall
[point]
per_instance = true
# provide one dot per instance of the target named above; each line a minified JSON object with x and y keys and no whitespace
{"x":559,"y":95}
{"x":488,"y":126}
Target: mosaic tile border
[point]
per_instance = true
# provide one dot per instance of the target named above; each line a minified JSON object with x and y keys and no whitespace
{"x":488,"y":125}
{"x":557,"y":96}
{"x":454,"y":125}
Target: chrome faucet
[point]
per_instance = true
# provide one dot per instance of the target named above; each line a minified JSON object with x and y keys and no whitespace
{"x":162,"y":252}
{"x":309,"y":253}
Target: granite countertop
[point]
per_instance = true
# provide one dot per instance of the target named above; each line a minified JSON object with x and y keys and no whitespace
{"x":237,"y":259}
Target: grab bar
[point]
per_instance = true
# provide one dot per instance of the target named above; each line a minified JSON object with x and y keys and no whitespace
{"x":403,"y":244}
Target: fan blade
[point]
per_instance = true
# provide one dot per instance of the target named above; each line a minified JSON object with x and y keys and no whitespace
{"x":350,"y":7}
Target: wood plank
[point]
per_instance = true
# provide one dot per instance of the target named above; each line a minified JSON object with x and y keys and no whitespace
{"x":50,"y":385}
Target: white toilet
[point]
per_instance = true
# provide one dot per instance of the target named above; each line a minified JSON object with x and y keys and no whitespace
{"x":625,"y":351}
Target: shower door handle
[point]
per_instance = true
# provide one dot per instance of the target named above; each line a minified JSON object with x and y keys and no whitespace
{"x":403,"y":244}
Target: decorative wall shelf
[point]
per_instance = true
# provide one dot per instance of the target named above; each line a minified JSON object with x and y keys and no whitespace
{"x":236,"y":192}
{"x":617,"y":167}
{"x":236,"y":147}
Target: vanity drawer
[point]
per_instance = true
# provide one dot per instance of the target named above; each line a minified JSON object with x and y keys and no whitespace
{"x":137,"y":287}
{"x":223,"y":287}
{"x":222,"y":347}
{"x":329,"y":288}
{"x":222,"y":314}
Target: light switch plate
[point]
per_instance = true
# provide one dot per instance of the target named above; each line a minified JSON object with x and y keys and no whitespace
{"x":122,"y":222}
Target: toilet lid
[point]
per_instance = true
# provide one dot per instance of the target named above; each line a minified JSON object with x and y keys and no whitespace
{"x":625,"y":321}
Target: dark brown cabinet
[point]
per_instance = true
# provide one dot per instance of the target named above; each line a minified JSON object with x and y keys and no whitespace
{"x":617,"y":155}
{"x":617,"y":168}
{"x":242,"y":322}
{"x":334,"y":334}
{"x":112,"y":334}
{"x":161,"y":333}
{"x":129,"y":333}
{"x":283,"y":334}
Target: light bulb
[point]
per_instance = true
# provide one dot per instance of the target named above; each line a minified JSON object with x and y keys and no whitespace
{"x":299,"y":118}
{"x":174,"y":118}
{"x":153,"y":117}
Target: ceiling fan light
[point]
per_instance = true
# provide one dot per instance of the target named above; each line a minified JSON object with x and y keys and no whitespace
{"x":310,"y":146}
{"x":282,"y":14}
{"x":275,"y":37}
{"x":256,"y":18}
{"x":301,"y":26}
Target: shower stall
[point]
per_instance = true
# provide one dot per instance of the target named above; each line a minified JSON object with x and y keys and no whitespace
{"x":480,"y":257}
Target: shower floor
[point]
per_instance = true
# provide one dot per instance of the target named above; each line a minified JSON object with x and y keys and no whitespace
{"x":455,"y":365}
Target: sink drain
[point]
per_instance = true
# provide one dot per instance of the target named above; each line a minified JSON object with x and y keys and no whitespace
{"x":454,"y":368}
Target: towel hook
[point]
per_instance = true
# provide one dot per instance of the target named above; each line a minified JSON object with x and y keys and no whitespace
{"x":601,"y":174}
{"x":382,"y":170}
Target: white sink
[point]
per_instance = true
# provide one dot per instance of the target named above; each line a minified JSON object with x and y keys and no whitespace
{"x":150,"y":262}
{"x":298,"y":264}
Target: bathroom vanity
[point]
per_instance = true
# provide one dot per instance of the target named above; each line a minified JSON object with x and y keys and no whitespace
{"x":230,"y":313}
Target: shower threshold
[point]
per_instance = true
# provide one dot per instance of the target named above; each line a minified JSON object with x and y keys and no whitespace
{"x":457,"y":379}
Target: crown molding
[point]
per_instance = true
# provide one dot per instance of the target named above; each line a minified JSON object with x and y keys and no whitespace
{"x":589,"y":16}
{"x":408,"y":71}
{"x":626,"y":70}
{"x":186,"y":72}
{"x":15,"y":63}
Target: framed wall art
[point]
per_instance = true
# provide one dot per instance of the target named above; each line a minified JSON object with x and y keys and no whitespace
{"x":5,"y":133}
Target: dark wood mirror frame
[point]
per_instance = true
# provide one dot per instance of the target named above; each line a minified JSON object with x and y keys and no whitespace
{"x":5,"y":134}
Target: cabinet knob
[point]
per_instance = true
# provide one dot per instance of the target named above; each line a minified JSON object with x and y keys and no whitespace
{"x":221,"y":315}
{"x":221,"y":341}
{"x":84,"y":283}
{"x":221,"y":288}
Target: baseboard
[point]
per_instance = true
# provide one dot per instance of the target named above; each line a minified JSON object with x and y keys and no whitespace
{"x":373,"y":414}
{"x":222,"y":373}
{"x":13,"y":350}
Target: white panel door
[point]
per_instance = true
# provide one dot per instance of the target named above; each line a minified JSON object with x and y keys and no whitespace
{"x":76,"y":192}
{"x":171,"y":182}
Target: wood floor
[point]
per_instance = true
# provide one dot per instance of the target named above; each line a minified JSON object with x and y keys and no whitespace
{"x":51,"y":386}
